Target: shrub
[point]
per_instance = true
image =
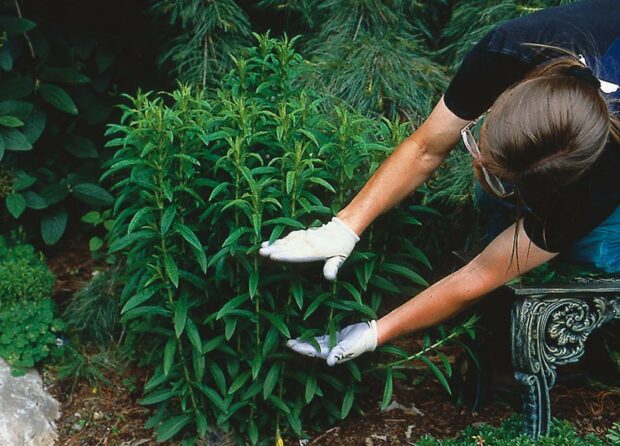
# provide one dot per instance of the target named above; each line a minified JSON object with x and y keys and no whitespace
{"x":23,"y":275}
{"x":200,"y":181}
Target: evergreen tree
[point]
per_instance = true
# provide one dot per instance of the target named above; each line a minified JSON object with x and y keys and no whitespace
{"x":210,"y":32}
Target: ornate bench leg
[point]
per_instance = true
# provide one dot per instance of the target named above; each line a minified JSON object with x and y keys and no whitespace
{"x":547,"y":332}
{"x":527,"y":334}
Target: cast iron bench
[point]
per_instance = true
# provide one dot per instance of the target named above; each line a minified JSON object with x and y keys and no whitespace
{"x":550,"y":325}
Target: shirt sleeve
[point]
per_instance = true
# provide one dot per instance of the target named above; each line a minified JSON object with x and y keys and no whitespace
{"x":482,"y":77}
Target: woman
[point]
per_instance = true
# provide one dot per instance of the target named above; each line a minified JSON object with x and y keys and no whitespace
{"x":549,"y":143}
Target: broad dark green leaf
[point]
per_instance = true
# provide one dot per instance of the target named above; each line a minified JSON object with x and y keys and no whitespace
{"x":15,"y":140}
{"x":81,"y":147}
{"x":310,"y":390}
{"x":92,"y":194}
{"x":193,"y":334}
{"x":34,"y":200}
{"x":239,"y":382}
{"x":231,"y":305}
{"x":167,"y":219}
{"x":68,"y":75}
{"x":53,"y":225}
{"x":16,"y":204}
{"x":34,"y":125}
{"x":15,"y":25}
{"x":58,"y":98}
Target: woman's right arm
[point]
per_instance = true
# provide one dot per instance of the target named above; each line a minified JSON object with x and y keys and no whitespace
{"x":406,"y":168}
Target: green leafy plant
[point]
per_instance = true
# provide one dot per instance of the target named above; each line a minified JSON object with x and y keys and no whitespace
{"x":23,"y":274}
{"x":49,"y":111}
{"x":200,"y":180}
{"x":509,"y":433}
{"x":29,"y":333}
{"x":614,"y":434}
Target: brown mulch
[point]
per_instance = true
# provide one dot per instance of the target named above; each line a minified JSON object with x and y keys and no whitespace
{"x":110,"y":414}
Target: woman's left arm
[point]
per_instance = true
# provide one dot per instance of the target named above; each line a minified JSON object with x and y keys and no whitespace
{"x":499,"y":263}
{"x":496,"y":265}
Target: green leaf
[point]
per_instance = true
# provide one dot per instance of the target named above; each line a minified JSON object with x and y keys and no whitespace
{"x":10,"y":121}
{"x":137,"y":219}
{"x":172,"y":427}
{"x":213,"y":396}
{"x":16,"y":204}
{"x":58,"y":98}
{"x":6,"y":61}
{"x":218,"y":376}
{"x":387,"y":390}
{"x":81,"y":147}
{"x":189,"y":236}
{"x":166,"y":219}
{"x":159,"y":396}
{"x":95,"y":244}
{"x":15,"y":140}
{"x":129,"y":239}
{"x":322,"y":182}
{"x":276,"y":401}
{"x":347,"y":402}
{"x":310,"y":388}
{"x":15,"y":25}
{"x":169,"y":351}
{"x":53,"y":225}
{"x":66,"y":75}
{"x":239,"y":382}
{"x":192,"y":333}
{"x":34,"y":125}
{"x":231,"y":305}
{"x":405,"y":272}
{"x":180,"y":315}
{"x":285,"y":221}
{"x":23,"y":181}
{"x":252,"y":432}
{"x":34,"y":200}
{"x":92,"y":194}
{"x":440,"y":376}
{"x":172,"y":270}
{"x":253,"y":283}
{"x":277,"y":322}
{"x":271,"y":380}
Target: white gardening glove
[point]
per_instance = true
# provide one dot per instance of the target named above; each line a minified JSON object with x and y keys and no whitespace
{"x":351,"y":342}
{"x":332,"y":242}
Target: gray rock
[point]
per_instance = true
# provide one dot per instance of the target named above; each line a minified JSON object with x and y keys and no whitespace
{"x":27,"y":411}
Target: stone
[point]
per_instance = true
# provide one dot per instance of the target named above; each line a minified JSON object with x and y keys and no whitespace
{"x":27,"y":411}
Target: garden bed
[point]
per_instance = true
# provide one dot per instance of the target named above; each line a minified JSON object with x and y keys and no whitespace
{"x":111,"y":414}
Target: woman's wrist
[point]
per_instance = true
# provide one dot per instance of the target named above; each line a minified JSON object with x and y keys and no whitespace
{"x":349,"y":218}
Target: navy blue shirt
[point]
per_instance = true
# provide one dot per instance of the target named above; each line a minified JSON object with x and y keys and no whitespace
{"x":589,"y":28}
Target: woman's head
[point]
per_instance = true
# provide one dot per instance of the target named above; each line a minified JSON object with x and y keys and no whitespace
{"x":544,"y":132}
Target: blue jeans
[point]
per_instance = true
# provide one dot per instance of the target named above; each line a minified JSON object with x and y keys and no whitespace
{"x":599,"y":249}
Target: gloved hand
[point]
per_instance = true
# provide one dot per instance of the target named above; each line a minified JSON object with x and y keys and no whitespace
{"x":332,"y":242}
{"x":351,"y":342}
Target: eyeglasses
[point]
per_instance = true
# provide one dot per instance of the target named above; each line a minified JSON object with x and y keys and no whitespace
{"x":494,"y":183}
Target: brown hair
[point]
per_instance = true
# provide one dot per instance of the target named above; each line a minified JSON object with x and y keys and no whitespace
{"x":545,"y":131}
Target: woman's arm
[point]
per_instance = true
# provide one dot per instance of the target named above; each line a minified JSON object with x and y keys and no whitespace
{"x":406,"y":168}
{"x":495,"y":266}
